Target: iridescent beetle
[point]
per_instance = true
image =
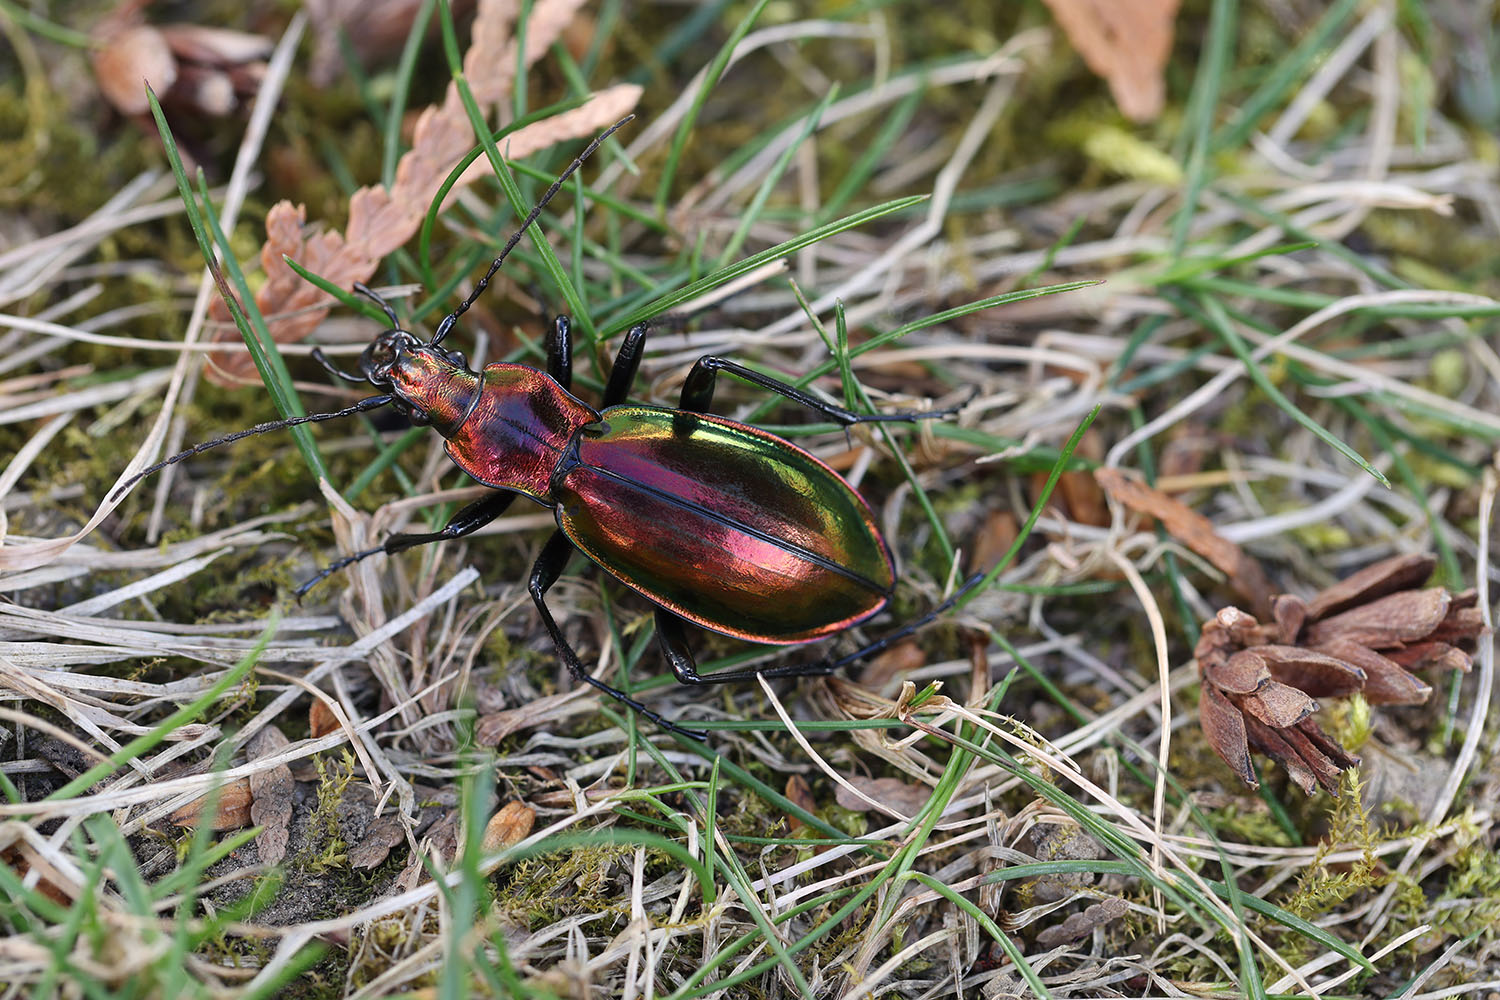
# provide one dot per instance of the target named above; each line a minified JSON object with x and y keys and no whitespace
{"x":716,"y":522}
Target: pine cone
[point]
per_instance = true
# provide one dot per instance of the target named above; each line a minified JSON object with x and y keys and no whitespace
{"x":1365,"y":633}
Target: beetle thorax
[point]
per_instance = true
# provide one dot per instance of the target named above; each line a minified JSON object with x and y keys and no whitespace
{"x":432,"y":387}
{"x":518,"y":429}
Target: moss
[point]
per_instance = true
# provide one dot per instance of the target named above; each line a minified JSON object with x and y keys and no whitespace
{"x":549,"y":888}
{"x":326,"y":848}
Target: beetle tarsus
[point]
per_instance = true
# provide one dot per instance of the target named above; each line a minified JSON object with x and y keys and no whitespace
{"x":334,"y":567}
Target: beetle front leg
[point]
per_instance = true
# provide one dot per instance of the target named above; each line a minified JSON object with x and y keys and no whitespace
{"x":549,"y":566}
{"x":467,"y":521}
{"x":698,"y":394}
{"x":673,"y":640}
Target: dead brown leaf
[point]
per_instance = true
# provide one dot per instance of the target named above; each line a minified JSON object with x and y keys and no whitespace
{"x":1126,"y":43}
{"x":320,"y":719}
{"x":382,"y":219}
{"x":385,"y":832}
{"x":231,"y":813}
{"x":1196,"y":532}
{"x":1080,"y":925}
{"x":800,"y":794}
{"x":271,"y":792}
{"x":904,"y":797}
{"x":204,"y":68}
{"x":127,"y":62}
{"x":22,"y":858}
{"x":899,"y":659}
{"x":993,"y":540}
{"x":510,"y":825}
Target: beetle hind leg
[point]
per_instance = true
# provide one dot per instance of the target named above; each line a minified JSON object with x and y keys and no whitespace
{"x":891,"y":638}
{"x":673,"y":641}
{"x":549,"y":566}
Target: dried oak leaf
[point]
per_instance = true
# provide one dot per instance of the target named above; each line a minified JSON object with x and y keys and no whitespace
{"x":271,"y":792}
{"x":207,"y":69}
{"x":1365,"y":633}
{"x":382,"y":219}
{"x":1125,"y":43}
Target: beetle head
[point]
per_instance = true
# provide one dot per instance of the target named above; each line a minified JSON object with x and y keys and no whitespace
{"x":384,"y":351}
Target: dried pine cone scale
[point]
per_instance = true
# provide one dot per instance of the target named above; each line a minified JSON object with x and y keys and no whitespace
{"x":1365,"y":633}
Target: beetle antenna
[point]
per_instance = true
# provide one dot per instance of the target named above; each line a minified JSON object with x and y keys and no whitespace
{"x":449,"y":320}
{"x":360,"y":288}
{"x":374,"y":402}
{"x":331,"y":368}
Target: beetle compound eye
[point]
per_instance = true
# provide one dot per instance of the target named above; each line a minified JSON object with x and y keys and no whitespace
{"x":457,"y":357}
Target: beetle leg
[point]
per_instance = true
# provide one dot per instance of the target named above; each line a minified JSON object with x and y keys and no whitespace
{"x":673,"y":641}
{"x":560,"y":351}
{"x":627,"y":362}
{"x":885,"y":641}
{"x":549,"y":566}
{"x":698,"y":394}
{"x":467,"y":521}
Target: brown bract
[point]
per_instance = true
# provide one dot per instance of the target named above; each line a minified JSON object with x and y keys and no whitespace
{"x":1365,"y":633}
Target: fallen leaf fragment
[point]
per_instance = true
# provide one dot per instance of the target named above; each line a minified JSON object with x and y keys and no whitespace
{"x":906,"y":798}
{"x":1126,"y":43}
{"x":189,"y":65}
{"x":272,"y":792}
{"x":382,"y":219}
{"x":1195,"y":531}
{"x":384,"y":833}
{"x":800,"y":794}
{"x":125,"y":64}
{"x":320,"y":719}
{"x":510,"y":825}
{"x":1080,"y":925}
{"x":231,"y":813}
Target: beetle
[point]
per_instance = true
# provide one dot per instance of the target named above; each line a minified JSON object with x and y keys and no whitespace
{"x":718,"y":523}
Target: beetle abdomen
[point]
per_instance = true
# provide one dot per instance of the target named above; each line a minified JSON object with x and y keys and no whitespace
{"x":728,"y":526}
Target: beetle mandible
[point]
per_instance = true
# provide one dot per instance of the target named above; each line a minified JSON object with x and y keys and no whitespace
{"x":716,"y":522}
